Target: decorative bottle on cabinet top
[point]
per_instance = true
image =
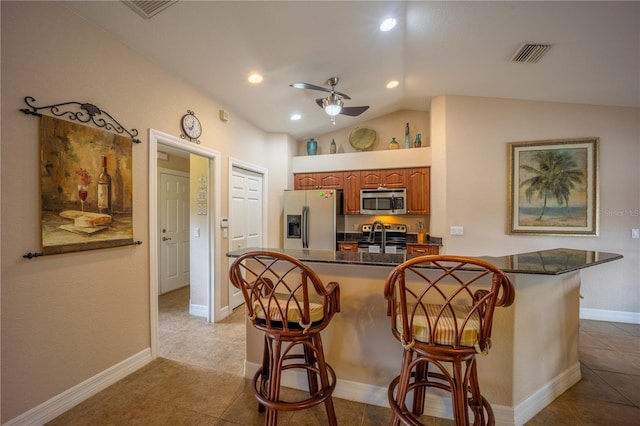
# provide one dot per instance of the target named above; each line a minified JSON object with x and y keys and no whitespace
{"x":333,"y":147}
{"x":407,"y":141}
{"x":394,"y":144}
{"x":418,"y":142}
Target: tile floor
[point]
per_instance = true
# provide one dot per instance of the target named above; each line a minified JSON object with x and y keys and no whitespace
{"x":198,"y":381}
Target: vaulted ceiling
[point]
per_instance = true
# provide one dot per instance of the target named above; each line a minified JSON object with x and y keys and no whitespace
{"x":437,"y":48}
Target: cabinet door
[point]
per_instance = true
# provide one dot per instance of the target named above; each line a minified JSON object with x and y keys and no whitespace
{"x":351,"y":184}
{"x":370,"y":179}
{"x":394,"y":178}
{"x":331,"y":180}
{"x":305,"y":181}
{"x":418,"y":190}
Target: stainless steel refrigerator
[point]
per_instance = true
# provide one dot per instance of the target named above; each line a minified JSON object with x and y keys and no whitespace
{"x":312,"y":218}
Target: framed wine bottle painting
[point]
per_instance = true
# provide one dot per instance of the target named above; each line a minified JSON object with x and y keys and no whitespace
{"x":85,"y":187}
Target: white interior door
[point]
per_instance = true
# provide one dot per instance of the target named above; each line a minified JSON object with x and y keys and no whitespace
{"x":245,"y":217}
{"x":173,"y":199}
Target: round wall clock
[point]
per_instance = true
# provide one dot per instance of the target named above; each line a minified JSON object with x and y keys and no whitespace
{"x":191,"y":126}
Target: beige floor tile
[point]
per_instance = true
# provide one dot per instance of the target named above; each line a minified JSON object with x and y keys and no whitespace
{"x":203,"y":383}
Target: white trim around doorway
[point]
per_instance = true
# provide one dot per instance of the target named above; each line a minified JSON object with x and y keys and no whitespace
{"x":214,"y":309}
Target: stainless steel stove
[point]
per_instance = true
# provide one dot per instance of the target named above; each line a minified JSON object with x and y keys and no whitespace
{"x":395,"y":236}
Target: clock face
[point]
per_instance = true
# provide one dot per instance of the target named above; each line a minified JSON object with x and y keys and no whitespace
{"x":191,"y":126}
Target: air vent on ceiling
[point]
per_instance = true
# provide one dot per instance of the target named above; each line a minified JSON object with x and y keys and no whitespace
{"x":148,"y":8}
{"x":531,"y":52}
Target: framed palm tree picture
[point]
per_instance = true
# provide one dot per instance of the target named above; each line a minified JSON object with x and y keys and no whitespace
{"x":553,"y":187}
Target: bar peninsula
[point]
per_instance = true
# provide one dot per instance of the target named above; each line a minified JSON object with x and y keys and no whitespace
{"x":534,"y":357}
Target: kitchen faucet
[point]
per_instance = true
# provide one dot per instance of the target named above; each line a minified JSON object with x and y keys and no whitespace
{"x":373,"y":231}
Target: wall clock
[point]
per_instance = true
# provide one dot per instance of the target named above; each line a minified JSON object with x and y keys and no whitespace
{"x":191,"y":127}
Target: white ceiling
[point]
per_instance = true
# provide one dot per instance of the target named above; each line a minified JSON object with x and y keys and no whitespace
{"x":438,"y":48}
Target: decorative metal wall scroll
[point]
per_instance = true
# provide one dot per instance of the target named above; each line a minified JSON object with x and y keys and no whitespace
{"x":86,"y":179}
{"x":89,"y":112}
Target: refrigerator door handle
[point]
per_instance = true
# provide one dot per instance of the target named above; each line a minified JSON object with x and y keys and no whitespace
{"x":305,"y":227}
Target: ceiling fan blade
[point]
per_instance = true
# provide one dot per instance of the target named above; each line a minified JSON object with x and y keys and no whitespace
{"x":353,"y":111}
{"x":310,"y":87}
{"x":322,"y":89}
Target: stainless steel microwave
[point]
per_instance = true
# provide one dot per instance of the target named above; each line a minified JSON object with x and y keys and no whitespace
{"x":383,"y":201}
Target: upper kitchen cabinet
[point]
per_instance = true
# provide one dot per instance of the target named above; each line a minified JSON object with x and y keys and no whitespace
{"x":328,"y":180}
{"x":418,"y":190}
{"x":385,"y":178}
{"x":351,"y":186}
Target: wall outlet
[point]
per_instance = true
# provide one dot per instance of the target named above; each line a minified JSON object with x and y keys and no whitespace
{"x":456,"y":230}
{"x":635,"y":233}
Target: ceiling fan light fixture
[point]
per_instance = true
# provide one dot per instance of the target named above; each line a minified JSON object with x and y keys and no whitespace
{"x":332,"y":105}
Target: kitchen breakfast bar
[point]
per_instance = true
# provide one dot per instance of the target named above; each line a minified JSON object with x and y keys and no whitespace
{"x":534,"y":357}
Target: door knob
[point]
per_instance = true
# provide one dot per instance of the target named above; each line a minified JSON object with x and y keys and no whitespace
{"x":165,"y":239}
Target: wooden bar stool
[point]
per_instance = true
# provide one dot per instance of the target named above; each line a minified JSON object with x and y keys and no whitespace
{"x":441,"y":310}
{"x":288,"y":302}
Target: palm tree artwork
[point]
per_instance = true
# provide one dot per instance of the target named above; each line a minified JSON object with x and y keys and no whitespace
{"x":554,"y":175}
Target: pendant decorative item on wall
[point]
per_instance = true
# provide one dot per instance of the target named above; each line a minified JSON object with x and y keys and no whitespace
{"x":86,"y":180}
{"x":191,"y":127}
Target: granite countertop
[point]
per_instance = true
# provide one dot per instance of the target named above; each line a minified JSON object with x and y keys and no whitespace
{"x":546,"y":262}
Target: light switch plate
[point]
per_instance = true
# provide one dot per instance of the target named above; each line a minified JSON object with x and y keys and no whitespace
{"x":456,"y":230}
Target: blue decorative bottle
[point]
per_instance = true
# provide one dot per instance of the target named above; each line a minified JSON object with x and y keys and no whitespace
{"x":312,"y":147}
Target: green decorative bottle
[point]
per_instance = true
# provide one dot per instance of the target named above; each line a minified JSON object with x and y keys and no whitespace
{"x":333,"y":147}
{"x":407,"y":141}
{"x":418,"y":142}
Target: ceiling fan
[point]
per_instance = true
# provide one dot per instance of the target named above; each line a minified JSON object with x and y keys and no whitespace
{"x":332,"y":104}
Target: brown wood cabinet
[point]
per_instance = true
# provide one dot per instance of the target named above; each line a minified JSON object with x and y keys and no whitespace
{"x":344,"y":246}
{"x":351,"y":186}
{"x":422,"y":249}
{"x":386,"y":178}
{"x":415,"y":180}
{"x":418,"y":190}
{"x":329,"y":180}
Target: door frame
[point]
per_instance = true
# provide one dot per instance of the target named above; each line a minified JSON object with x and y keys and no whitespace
{"x":213,"y":288}
{"x":264,"y":172}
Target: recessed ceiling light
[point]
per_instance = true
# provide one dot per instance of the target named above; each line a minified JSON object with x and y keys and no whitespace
{"x":295,"y":117}
{"x":392,"y":84}
{"x":388,"y":24}
{"x":255,"y":78}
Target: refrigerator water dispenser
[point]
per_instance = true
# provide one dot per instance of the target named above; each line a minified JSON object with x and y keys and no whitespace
{"x":294,"y":226}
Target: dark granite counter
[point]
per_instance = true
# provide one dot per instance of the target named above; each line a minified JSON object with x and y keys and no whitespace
{"x":545,"y":262}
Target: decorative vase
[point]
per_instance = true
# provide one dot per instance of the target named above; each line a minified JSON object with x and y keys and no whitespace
{"x":312,"y":147}
{"x":394,"y":144}
{"x":418,"y":142}
{"x":333,"y":146}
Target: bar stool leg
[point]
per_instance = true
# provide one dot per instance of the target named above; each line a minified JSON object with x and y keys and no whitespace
{"x":323,"y":369}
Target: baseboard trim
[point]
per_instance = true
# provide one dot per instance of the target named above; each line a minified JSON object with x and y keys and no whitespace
{"x":198,"y":310}
{"x":68,"y":399}
{"x":613,"y":316}
{"x":439,"y":406}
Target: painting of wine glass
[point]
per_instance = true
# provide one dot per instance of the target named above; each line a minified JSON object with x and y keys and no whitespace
{"x":85,"y":187}
{"x":553,"y":187}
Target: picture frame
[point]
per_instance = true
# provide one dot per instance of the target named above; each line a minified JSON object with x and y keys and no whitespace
{"x":553,"y":187}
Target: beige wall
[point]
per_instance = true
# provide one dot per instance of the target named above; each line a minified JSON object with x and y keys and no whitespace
{"x":469,"y":184}
{"x":69,"y":317}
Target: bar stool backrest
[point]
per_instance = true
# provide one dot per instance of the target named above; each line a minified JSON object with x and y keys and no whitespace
{"x":446,"y":302}
{"x":283,"y":294}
